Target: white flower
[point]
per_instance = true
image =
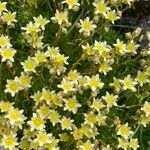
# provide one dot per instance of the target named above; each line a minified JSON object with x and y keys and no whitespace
{"x":90,"y":119}
{"x":7,"y":53}
{"x":60,"y":17}
{"x":146,"y":108}
{"x":41,"y":22}
{"x":43,"y":138}
{"x":13,"y":87}
{"x":74,"y":76}
{"x":36,"y":123}
{"x":134,"y":144}
{"x":40,"y":57}
{"x":66,"y":123}
{"x":88,"y":49}
{"x":94,"y":82}
{"x":87,"y":146}
{"x":52,"y":52}
{"x":9,"y":17}
{"x":4,"y":42}
{"x":3,"y":7}
{"x":97,"y":104}
{"x":112,"y":16}
{"x":29,"y":65}
{"x":31,"y":28}
{"x":101,"y":47}
{"x":104,"y":68}
{"x":47,"y":95}
{"x":25,"y":80}
{"x":43,"y":111}
{"x":66,"y":85}
{"x":120,"y":47}
{"x":72,"y":104}
{"x":124,"y":131}
{"x":132,"y":47}
{"x":87,"y":26}
{"x":71,"y":3}
{"x":142,"y":78}
{"x":5,"y":106}
{"x":54,"y":117}
{"x":123,"y":144}
{"x":128,"y":83}
{"x":110,"y":99}
{"x":101,"y":7}
{"x":9,"y":141}
{"x":16,"y":117}
{"x":37,"y":97}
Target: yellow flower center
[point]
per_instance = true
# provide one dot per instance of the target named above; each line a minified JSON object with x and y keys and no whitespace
{"x":3,"y":42}
{"x":42,"y":138}
{"x":25,"y":80}
{"x":14,"y":86}
{"x":71,"y":2}
{"x":40,"y":58}
{"x":72,"y":103}
{"x":14,"y":116}
{"x":47,"y":96}
{"x":142,"y":77}
{"x":147,"y":108}
{"x":102,"y":8}
{"x":41,"y":22}
{"x":2,"y":7}
{"x":66,"y":123}
{"x":8,"y":53}
{"x":60,"y":16}
{"x":124,"y":131}
{"x":87,"y":26}
{"x":37,"y":122}
{"x":67,"y":86}
{"x":32,"y":29}
{"x":93,"y":83}
{"x":54,"y":117}
{"x":72,"y":76}
{"x":111,"y":16}
{"x":91,"y":118}
{"x":110,"y":100}
{"x":30,"y":65}
{"x":100,"y":48}
{"x":9,"y":17}
{"x":87,"y":147}
{"x":131,"y":47}
{"x":10,"y":141}
{"x":128,"y":84}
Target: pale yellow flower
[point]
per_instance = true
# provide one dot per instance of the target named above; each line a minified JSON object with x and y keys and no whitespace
{"x":71,"y":3}
{"x":9,"y":17}
{"x":36,"y":123}
{"x":67,"y":86}
{"x":87,"y":26}
{"x":12,"y":87}
{"x":9,"y":141}
{"x":125,"y":131}
{"x":41,"y":22}
{"x":3,"y":7}
{"x":146,"y":108}
{"x":110,"y":99}
{"x":7,"y":53}
{"x":129,"y":83}
{"x":100,"y":7}
{"x":71,"y":104}
{"x":60,"y":17}
{"x":134,"y":144}
{"x":66,"y":123}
